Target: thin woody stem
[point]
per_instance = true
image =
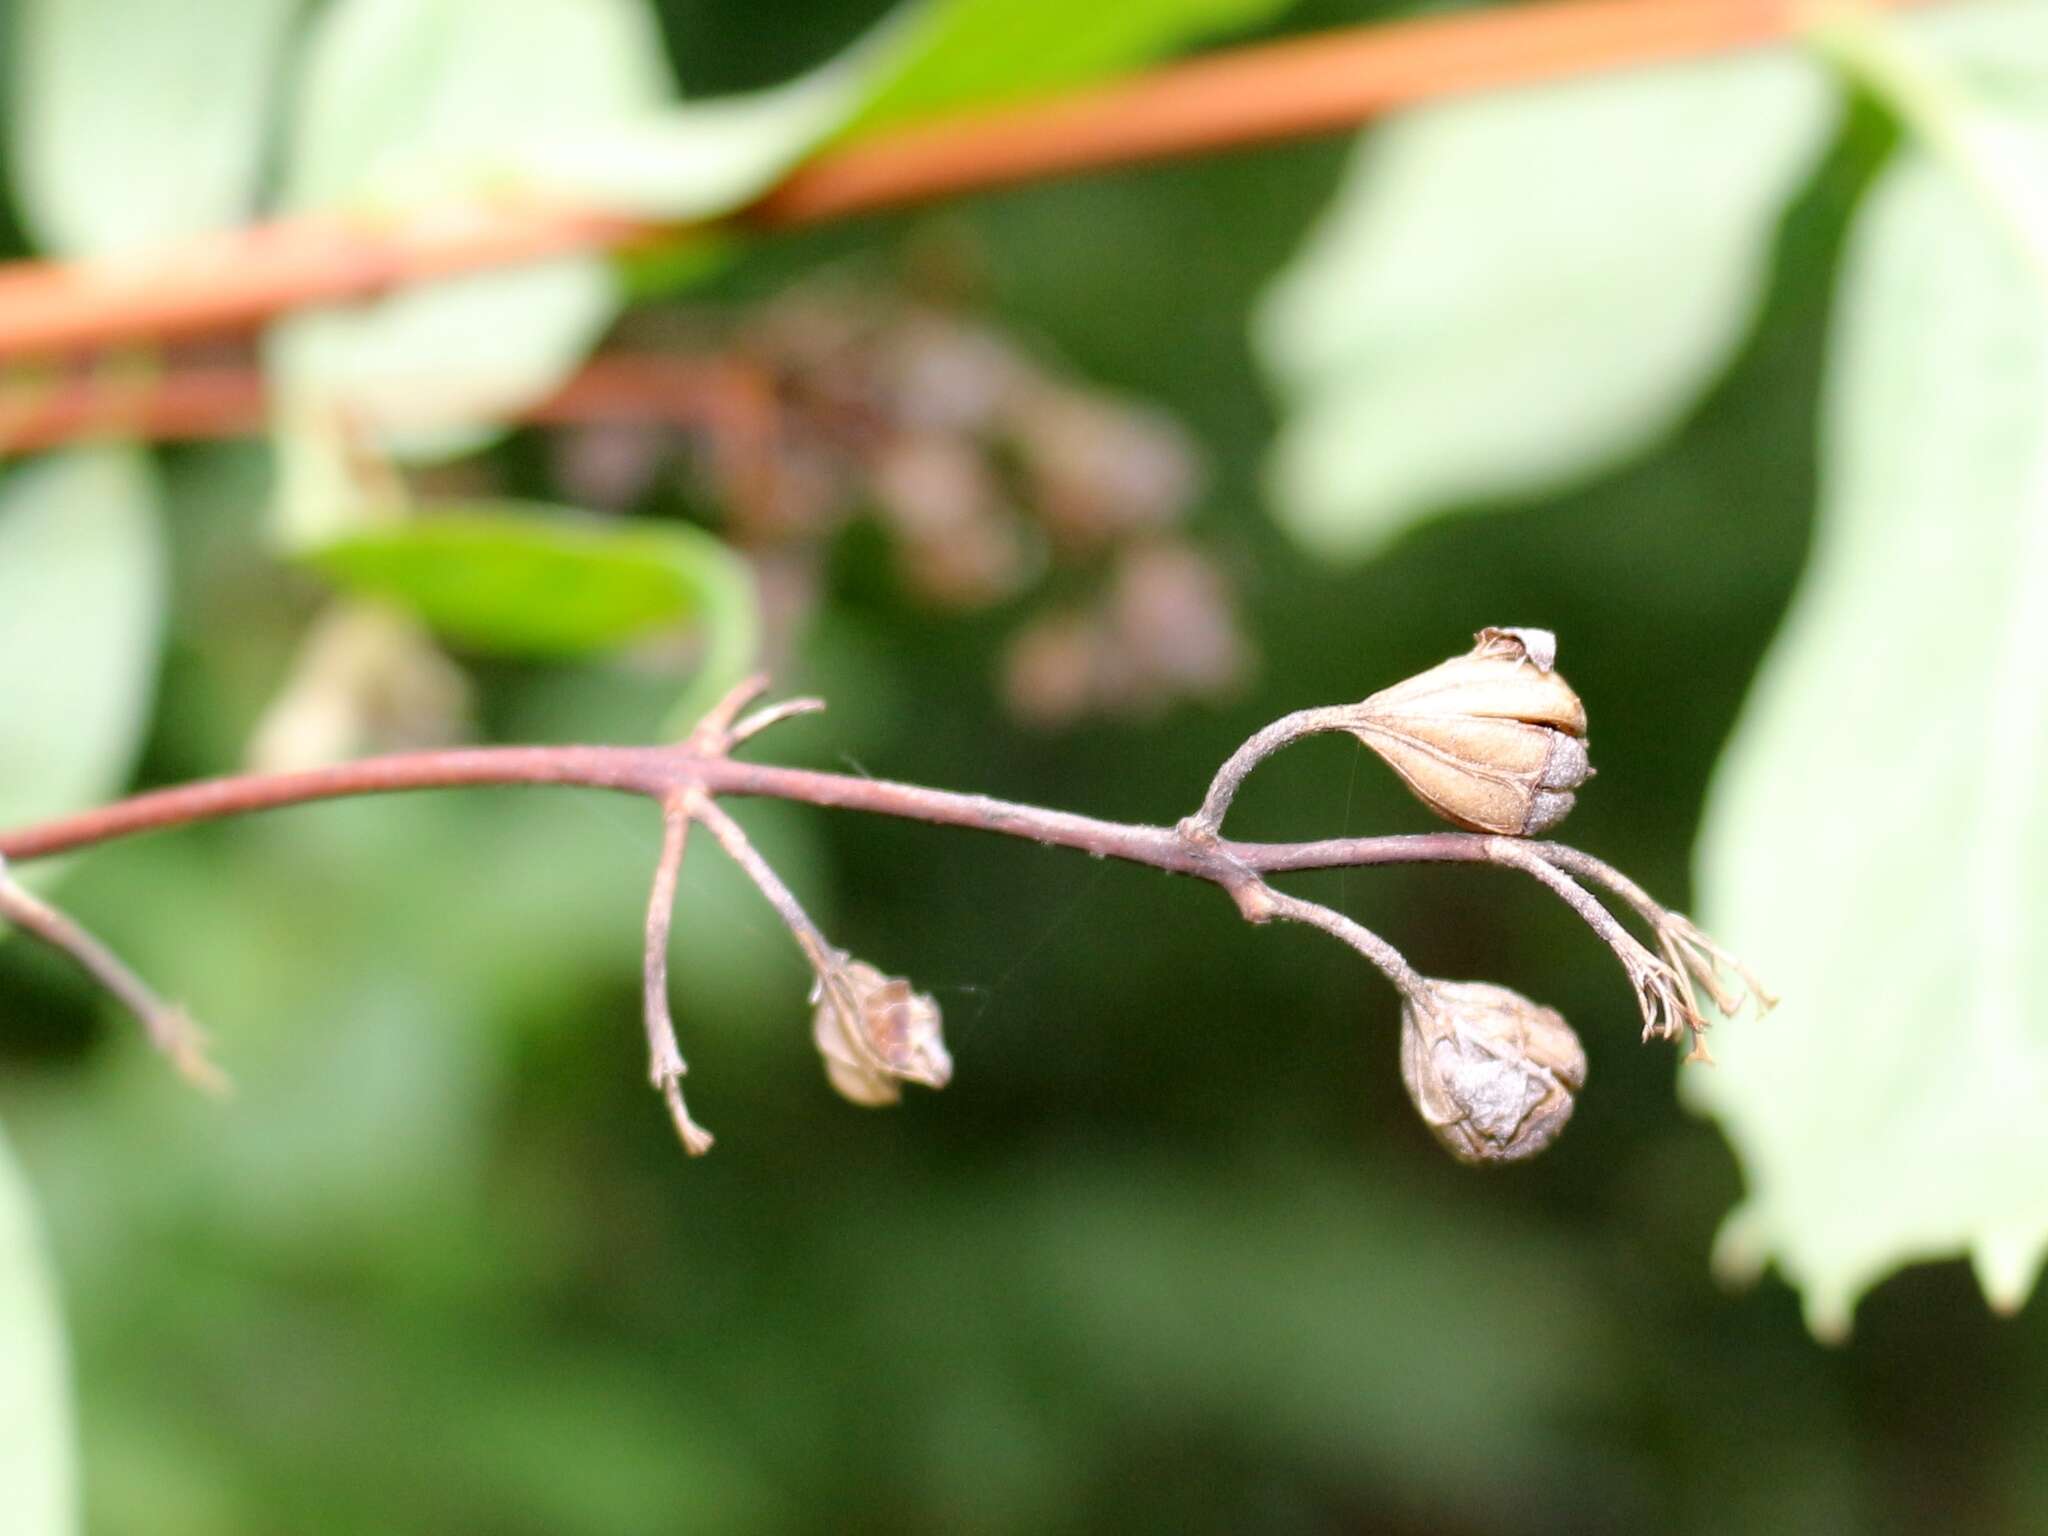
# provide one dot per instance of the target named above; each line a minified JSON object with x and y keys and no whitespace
{"x":686,"y":779}
{"x":1284,"y":732}
{"x":169,"y":1027}
{"x":656,"y":772}
{"x":665,"y":1066}
{"x":733,"y":839}
{"x":1694,"y":955}
{"x":1585,"y":867}
{"x":1662,"y":989}
{"x":1392,"y":964}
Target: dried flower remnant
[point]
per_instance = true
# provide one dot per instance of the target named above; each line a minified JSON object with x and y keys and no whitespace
{"x":1494,"y":740}
{"x":1493,"y":1075}
{"x":875,"y":1033}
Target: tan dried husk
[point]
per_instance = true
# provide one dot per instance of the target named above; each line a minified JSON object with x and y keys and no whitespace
{"x":875,"y":1033}
{"x":1493,"y":740}
{"x":1493,"y":1075}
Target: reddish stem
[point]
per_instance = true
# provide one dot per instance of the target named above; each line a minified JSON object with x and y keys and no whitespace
{"x":663,"y":772}
{"x":1246,"y":96}
{"x":195,"y":402}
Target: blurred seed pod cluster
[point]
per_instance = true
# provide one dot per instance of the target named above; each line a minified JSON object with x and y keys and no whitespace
{"x":997,"y":478}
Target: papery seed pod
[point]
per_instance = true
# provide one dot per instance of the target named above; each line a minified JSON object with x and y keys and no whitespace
{"x":1493,"y":1075}
{"x":1493,"y":740}
{"x":874,"y":1032}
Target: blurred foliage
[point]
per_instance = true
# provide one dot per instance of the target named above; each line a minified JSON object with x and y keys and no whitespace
{"x":129,"y":125}
{"x":38,"y":1461}
{"x":81,"y":614}
{"x":527,"y":581}
{"x":1424,"y":366}
{"x":1900,"y":1114}
{"x":1172,"y":1251}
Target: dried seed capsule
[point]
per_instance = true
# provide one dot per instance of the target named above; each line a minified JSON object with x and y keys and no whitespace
{"x":1492,"y":1074}
{"x":1493,"y":740}
{"x":874,"y":1032}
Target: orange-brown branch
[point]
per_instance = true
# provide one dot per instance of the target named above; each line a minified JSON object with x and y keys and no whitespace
{"x":204,"y":401}
{"x":1247,"y":96}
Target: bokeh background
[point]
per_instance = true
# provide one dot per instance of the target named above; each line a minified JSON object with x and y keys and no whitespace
{"x":1172,"y":1252}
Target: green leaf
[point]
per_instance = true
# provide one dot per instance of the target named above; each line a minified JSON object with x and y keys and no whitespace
{"x":133,"y":122}
{"x":81,"y":619}
{"x":404,"y":101}
{"x":525,"y":581}
{"x":975,"y":53}
{"x":705,"y":159}
{"x":1877,"y":839}
{"x":427,"y":369}
{"x":701,"y":160}
{"x":1517,"y":291}
{"x":38,"y":1464}
{"x":412,"y":104}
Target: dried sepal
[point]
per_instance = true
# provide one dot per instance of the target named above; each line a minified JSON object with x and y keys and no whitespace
{"x":1725,"y":979}
{"x":1493,"y":1075}
{"x":1665,"y":995}
{"x":1538,"y":647}
{"x":875,"y":1033}
{"x":1493,"y":740}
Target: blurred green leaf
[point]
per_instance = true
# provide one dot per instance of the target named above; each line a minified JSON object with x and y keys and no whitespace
{"x":973,"y":53}
{"x":2002,"y":44}
{"x":38,"y":1468}
{"x":1877,"y":842}
{"x":406,"y":101}
{"x":1516,"y":291}
{"x":524,"y":580}
{"x":698,"y":161}
{"x":81,"y":617}
{"x":411,"y":103}
{"x":135,"y":121}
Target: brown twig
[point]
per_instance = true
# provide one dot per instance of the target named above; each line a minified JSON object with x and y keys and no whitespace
{"x":213,"y":400}
{"x":665,"y":1067}
{"x":662,"y":773}
{"x":686,"y":779}
{"x":169,"y":1027}
{"x":1247,"y":96}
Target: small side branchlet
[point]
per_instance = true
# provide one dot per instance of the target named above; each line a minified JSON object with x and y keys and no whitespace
{"x":1493,"y":740}
{"x":169,"y":1027}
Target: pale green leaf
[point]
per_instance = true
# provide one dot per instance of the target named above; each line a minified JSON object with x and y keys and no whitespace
{"x":532,"y":581}
{"x":1517,"y":291}
{"x":133,"y":122}
{"x":1877,"y":839}
{"x":81,"y":619}
{"x":442,"y":103}
{"x":404,"y":100}
{"x":2001,"y":44}
{"x":974,"y":53}
{"x":38,"y":1464}
{"x":704,"y":159}
{"x":411,"y":104}
{"x":428,"y":368}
